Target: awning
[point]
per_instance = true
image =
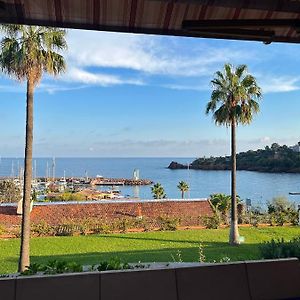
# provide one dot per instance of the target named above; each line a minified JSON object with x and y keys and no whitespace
{"x":261,"y":20}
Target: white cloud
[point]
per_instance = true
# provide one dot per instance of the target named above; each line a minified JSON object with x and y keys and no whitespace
{"x":279,"y":84}
{"x":148,"y":54}
{"x":180,"y":87}
{"x":82,"y":76}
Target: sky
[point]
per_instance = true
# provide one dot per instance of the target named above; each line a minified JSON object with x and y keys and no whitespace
{"x":126,"y":95}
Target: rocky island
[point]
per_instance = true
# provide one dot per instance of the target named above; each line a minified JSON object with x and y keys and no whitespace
{"x":274,"y":159}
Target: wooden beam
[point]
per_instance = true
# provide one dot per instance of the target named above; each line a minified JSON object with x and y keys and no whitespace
{"x":291,"y":6}
{"x":239,"y":23}
{"x":239,"y":32}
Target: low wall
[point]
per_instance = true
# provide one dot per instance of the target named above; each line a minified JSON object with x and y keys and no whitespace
{"x":109,"y":210}
{"x":234,"y":281}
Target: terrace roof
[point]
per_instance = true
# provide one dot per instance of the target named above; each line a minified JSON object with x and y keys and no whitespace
{"x":261,"y":20}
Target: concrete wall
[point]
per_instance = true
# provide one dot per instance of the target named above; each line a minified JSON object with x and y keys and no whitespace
{"x":234,"y":281}
{"x":109,"y":210}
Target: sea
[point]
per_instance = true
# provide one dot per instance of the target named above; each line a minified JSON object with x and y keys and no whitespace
{"x":258,"y":187}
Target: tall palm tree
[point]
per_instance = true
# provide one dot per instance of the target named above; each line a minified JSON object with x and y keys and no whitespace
{"x":26,"y":53}
{"x":158,"y":191}
{"x":183,"y":187}
{"x":234,"y":100}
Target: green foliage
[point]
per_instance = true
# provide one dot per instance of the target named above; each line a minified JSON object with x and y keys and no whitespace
{"x":28,"y":51}
{"x":212,"y":222}
{"x":158,"y":191}
{"x":280,"y":249}
{"x":68,"y":196}
{"x":234,"y":96}
{"x":9,"y":191}
{"x":221,"y":204}
{"x":102,"y":228}
{"x":113,"y":264}
{"x":281,"y":204}
{"x":53,"y":267}
{"x":34,"y":195}
{"x":183,"y":187}
{"x":274,"y":159}
{"x":2,"y":229}
{"x":42,"y":229}
{"x":60,"y":267}
{"x":33,"y":269}
{"x":167,"y":223}
{"x":281,"y":211}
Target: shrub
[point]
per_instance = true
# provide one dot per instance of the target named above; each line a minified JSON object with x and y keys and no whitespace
{"x":281,"y":211}
{"x":168,"y":224}
{"x":211,"y":222}
{"x":2,"y":229}
{"x":280,"y":249}
{"x":113,"y":264}
{"x":102,"y":228}
{"x":9,"y":191}
{"x":42,"y":229}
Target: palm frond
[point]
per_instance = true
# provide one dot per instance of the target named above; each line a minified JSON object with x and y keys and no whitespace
{"x":234,"y":97}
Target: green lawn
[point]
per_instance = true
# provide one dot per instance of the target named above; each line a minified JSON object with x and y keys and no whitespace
{"x":145,"y":247}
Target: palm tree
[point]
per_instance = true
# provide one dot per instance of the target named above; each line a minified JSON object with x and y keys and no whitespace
{"x":234,"y":100}
{"x":26,"y":53}
{"x":158,"y":191}
{"x":221,"y":205}
{"x":183,"y":187}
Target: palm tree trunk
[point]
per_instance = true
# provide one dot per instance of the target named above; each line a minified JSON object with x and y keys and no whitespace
{"x":182,"y":194}
{"x":25,"y":230}
{"x":234,"y":233}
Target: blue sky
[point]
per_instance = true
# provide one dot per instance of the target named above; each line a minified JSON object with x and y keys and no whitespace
{"x":129,"y":95}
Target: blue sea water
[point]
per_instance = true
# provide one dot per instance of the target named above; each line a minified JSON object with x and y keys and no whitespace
{"x":259,"y":187}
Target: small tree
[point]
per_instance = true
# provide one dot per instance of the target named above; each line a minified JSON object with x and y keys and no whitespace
{"x":183,"y":187}
{"x":158,"y":191}
{"x":9,"y":191}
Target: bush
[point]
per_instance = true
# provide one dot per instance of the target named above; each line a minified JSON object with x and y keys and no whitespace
{"x":168,"y":224}
{"x":42,"y":229}
{"x":211,"y":222}
{"x":281,"y":211}
{"x":59,"y":267}
{"x":280,"y":249}
{"x":9,"y":191}
{"x":102,"y":228}
{"x":113,"y":264}
{"x":2,"y":230}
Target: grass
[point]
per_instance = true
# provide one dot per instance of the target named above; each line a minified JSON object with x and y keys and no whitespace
{"x":144,"y":247}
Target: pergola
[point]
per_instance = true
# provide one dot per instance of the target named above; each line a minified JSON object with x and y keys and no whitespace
{"x":260,"y":20}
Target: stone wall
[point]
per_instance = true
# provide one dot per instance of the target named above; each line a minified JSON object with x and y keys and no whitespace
{"x":57,"y":213}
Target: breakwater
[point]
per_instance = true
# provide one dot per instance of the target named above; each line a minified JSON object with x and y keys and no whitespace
{"x":120,"y":181}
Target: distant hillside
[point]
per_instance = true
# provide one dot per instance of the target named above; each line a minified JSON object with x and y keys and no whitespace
{"x":274,"y":159}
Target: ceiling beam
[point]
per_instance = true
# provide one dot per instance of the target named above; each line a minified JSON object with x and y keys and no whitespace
{"x":239,"y":32}
{"x":242,"y":23}
{"x":290,"y":6}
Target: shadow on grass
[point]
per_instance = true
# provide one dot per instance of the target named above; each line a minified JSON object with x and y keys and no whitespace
{"x":140,"y":238}
{"x":212,"y":251}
